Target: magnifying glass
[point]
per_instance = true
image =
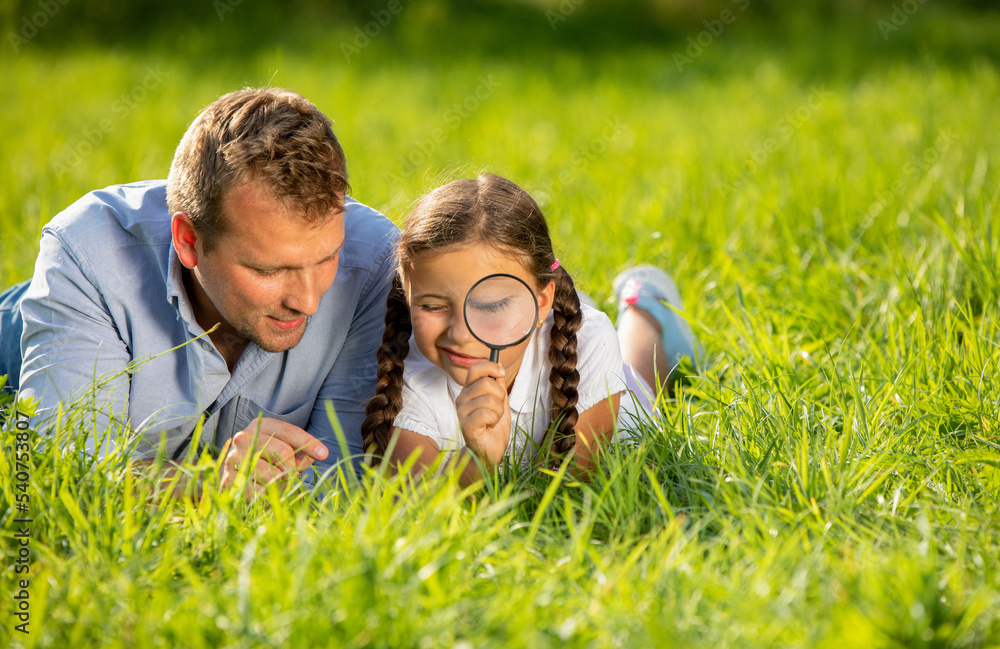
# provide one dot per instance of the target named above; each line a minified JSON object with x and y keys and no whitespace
{"x":500,"y":312}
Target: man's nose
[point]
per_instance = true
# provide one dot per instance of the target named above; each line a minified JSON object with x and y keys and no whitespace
{"x":303,"y":293}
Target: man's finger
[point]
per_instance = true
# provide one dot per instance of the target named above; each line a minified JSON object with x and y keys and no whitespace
{"x":274,"y":461}
{"x":265,"y":473}
{"x":298,"y":439}
{"x":271,"y":448}
{"x":262,"y":474}
{"x":302,"y":462}
{"x":254,"y":490}
{"x":278,"y":453}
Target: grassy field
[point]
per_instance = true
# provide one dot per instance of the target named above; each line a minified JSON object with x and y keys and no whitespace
{"x":824,"y":192}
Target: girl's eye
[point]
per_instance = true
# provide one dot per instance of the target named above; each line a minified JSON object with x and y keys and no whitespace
{"x":431,"y":308}
{"x":491,"y":307}
{"x":266,"y":273}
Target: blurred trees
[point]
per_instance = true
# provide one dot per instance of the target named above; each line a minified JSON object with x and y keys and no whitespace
{"x":212,"y":30}
{"x":122,"y":19}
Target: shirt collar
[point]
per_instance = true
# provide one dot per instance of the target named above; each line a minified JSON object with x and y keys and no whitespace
{"x":177,"y":294}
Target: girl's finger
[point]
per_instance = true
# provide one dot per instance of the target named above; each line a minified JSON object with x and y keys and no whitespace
{"x":483,"y":418}
{"x":482,"y":402}
{"x":484,"y":386}
{"x":483,"y":369}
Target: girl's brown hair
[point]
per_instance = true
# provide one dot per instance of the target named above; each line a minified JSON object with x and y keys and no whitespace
{"x":491,"y":211}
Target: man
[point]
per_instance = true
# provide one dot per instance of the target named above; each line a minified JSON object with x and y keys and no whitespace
{"x":245,"y":286}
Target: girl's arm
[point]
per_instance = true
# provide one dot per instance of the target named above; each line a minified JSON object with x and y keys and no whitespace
{"x":483,"y":413}
{"x":409,"y":442}
{"x":594,"y":430}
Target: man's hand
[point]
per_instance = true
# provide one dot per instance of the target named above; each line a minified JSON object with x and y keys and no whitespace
{"x":484,"y":412}
{"x":287,"y":450}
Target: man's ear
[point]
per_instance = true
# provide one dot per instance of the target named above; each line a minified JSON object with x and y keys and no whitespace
{"x":546,"y":299}
{"x":185,"y":239}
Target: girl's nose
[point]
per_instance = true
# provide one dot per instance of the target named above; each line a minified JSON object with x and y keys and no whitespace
{"x":458,"y":330}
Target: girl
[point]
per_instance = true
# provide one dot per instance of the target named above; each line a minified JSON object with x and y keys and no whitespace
{"x":564,"y":386}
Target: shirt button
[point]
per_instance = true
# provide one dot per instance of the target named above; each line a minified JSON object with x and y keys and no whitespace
{"x":206,"y":346}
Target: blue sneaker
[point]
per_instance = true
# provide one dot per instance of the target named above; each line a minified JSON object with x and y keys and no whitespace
{"x":651,"y":289}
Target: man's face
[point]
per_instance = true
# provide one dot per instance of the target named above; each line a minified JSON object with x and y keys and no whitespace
{"x":267,"y":271}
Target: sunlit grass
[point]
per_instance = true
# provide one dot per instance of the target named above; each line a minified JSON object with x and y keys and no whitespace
{"x":829,"y":479}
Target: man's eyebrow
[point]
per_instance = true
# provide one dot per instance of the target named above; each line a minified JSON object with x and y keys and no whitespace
{"x":333,"y":255}
{"x":329,"y":257}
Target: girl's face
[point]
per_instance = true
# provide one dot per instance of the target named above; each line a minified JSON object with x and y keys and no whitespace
{"x":436,"y":286}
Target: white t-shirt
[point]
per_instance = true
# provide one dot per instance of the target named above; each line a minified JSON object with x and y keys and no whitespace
{"x":429,"y":394}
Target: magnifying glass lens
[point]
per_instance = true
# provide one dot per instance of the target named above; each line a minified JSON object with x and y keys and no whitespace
{"x":500,"y":311}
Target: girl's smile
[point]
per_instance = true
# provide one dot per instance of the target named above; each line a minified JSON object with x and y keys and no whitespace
{"x":462,"y":360}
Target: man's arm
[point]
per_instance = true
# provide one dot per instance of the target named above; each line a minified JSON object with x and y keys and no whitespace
{"x":71,"y":349}
{"x":73,"y":355}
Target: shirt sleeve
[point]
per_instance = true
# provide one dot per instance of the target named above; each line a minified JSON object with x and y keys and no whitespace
{"x":351,"y":381}
{"x":599,"y":361}
{"x":429,"y":411}
{"x":71,"y":349}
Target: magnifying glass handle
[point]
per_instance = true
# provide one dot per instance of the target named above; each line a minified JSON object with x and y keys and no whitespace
{"x":494,"y":355}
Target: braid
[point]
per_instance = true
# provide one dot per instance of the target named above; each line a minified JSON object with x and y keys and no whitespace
{"x":495,"y":212}
{"x":564,"y":378}
{"x":385,"y":405}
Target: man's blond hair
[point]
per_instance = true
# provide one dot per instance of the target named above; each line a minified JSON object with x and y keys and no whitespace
{"x":272,"y":136}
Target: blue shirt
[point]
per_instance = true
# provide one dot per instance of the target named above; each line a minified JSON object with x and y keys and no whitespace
{"x":107,"y":309}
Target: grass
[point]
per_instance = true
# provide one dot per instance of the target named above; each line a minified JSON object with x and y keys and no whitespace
{"x":825,"y":199}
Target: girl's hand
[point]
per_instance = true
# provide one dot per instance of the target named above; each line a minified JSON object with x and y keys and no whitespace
{"x":484,"y":412}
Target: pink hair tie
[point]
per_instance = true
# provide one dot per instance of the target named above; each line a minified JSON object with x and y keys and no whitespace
{"x":554,"y":265}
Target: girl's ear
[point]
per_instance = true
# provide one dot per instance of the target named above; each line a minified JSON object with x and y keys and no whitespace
{"x":546,"y":300}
